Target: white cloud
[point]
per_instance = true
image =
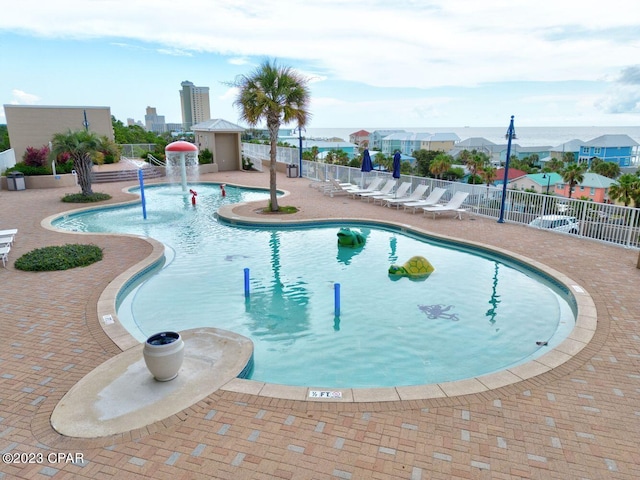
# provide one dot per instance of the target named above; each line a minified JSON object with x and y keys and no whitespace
{"x":23,"y":98}
{"x":399,"y":44}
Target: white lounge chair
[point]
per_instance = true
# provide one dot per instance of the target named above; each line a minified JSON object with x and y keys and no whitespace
{"x":8,"y":236}
{"x":400,"y":192}
{"x":415,"y":196}
{"x":336,"y":188}
{"x":433,"y":199}
{"x":4,"y":254}
{"x":452,"y":205}
{"x":373,"y":186}
{"x":384,"y":190}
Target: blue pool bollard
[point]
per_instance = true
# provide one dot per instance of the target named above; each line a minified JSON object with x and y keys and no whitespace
{"x":336,"y":297}
{"x":246,"y":282}
{"x":144,"y":203}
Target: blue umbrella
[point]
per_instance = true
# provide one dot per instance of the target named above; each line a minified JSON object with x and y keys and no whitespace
{"x":367,"y":164}
{"x":396,"y":165}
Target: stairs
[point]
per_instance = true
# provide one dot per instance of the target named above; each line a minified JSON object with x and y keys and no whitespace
{"x":126,"y":175}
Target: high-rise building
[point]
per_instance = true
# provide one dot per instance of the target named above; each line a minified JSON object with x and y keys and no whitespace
{"x":154,"y":122}
{"x":195,"y":104}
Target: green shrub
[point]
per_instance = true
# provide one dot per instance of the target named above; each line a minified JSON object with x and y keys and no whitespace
{"x":80,"y":198}
{"x":64,"y":257}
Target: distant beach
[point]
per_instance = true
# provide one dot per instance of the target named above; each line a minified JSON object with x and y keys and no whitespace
{"x":526,"y":136}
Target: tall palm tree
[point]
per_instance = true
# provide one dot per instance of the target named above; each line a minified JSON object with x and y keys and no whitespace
{"x":573,"y":174}
{"x":277,"y":95}
{"x":83,"y":147}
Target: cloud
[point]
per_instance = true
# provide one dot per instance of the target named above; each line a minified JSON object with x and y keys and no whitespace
{"x":630,"y":75}
{"x":398,"y":44}
{"x":23,"y":98}
{"x":624,"y":95}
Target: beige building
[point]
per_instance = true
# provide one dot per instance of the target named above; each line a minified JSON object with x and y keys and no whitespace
{"x":194,"y":102}
{"x":222,"y":138}
{"x":35,"y":126}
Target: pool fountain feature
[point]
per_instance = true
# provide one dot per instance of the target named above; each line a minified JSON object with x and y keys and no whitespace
{"x":182,"y":157}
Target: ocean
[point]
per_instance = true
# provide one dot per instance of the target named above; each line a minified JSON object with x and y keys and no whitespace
{"x":526,"y":136}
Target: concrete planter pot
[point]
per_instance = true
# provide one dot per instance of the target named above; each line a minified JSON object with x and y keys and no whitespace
{"x":163,"y":354}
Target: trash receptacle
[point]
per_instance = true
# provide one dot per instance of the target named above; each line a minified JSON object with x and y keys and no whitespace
{"x":292,"y":170}
{"x":15,"y":181}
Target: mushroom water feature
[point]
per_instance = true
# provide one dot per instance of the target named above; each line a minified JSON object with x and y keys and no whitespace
{"x":184,"y":156}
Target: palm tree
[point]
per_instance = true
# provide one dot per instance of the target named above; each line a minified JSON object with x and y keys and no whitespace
{"x":554,"y":165}
{"x":626,"y":190}
{"x":440,"y":165}
{"x":83,"y":147}
{"x":573,"y":174}
{"x":277,"y":95}
{"x":488,"y":175}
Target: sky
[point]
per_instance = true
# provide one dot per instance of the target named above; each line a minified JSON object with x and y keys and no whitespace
{"x":400,"y":63}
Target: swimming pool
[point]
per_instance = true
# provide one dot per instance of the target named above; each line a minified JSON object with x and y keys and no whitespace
{"x":475,"y":314}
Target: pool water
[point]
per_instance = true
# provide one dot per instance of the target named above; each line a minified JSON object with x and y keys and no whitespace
{"x":476,"y":314}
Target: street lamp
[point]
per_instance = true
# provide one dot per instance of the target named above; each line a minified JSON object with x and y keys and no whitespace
{"x":548,"y":182}
{"x":511,"y":134}
{"x":300,"y":145}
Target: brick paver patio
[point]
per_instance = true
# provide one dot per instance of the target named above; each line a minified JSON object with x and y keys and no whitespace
{"x":581,"y":420}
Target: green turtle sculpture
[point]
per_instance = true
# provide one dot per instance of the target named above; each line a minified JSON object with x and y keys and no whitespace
{"x":350,"y":238}
{"x":416,"y":267}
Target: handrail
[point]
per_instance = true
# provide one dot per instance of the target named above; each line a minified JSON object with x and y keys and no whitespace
{"x":154,"y":161}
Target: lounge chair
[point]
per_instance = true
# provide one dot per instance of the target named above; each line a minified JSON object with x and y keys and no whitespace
{"x":384,"y":190}
{"x":4,"y":254}
{"x":8,"y":236}
{"x":415,"y":196}
{"x":373,"y":186}
{"x":433,"y":199}
{"x":401,"y":192}
{"x":452,"y":205}
{"x":336,"y":188}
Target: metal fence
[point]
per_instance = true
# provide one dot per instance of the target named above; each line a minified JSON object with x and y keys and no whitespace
{"x":615,"y":224}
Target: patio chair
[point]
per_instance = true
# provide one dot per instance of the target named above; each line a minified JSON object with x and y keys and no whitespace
{"x":452,"y":205}
{"x":373,"y":186}
{"x":400,"y":192}
{"x":4,"y":254}
{"x":384,"y":190}
{"x":336,"y":188}
{"x":8,"y":236}
{"x":415,"y":196}
{"x":433,"y":199}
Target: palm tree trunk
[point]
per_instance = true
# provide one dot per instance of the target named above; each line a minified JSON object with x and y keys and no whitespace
{"x":273,"y":155}
{"x":83,"y":168}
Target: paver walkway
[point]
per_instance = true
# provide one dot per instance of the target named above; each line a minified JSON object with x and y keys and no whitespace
{"x":581,"y":420}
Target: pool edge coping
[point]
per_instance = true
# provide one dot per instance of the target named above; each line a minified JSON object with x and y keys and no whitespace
{"x":578,"y":339}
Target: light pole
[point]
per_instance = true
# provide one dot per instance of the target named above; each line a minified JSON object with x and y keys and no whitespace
{"x":300,"y":145}
{"x":511,"y":134}
{"x":548,"y":182}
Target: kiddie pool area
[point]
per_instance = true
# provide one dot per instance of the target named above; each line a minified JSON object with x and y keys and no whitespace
{"x":327,"y":315}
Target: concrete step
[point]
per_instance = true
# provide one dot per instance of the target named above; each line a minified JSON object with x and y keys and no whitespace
{"x":125,"y":175}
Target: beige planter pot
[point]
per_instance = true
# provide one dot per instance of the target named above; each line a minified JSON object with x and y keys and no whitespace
{"x":163,"y":354}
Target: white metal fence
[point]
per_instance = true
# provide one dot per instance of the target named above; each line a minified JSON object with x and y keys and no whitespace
{"x":614,"y":224}
{"x":7,"y":159}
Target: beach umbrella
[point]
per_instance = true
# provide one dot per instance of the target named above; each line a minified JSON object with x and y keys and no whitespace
{"x":396,"y":165}
{"x":367,"y":164}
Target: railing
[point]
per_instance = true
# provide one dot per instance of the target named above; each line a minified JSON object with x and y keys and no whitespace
{"x":155,"y":162}
{"x":615,"y":224}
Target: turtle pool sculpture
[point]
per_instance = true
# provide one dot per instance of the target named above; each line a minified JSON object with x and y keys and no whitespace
{"x":416,"y":267}
{"x":350,"y":238}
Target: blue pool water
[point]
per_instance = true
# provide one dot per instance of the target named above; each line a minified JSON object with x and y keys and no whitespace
{"x":475,"y":314}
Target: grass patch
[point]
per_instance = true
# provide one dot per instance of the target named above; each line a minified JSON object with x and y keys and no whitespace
{"x":80,"y":198}
{"x":286,"y":209}
{"x":48,"y":259}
